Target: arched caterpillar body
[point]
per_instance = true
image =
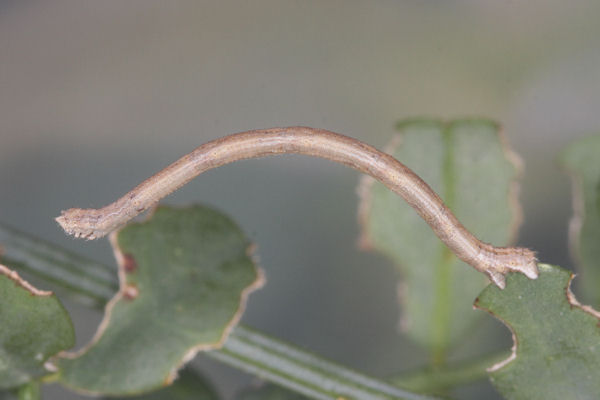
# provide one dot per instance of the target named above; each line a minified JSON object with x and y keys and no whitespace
{"x":495,"y":262}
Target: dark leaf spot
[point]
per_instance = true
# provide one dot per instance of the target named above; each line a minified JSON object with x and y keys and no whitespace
{"x":129,"y":263}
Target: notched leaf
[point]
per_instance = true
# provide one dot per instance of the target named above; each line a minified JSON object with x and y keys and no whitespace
{"x":556,"y":340}
{"x":185,"y":275}
{"x":33,"y":327}
{"x":468,"y":163}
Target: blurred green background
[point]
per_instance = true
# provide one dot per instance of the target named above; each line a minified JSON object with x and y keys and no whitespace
{"x":97,"y":96}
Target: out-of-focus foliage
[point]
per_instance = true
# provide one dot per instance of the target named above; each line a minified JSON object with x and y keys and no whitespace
{"x":467,"y":164}
{"x":582,"y":159}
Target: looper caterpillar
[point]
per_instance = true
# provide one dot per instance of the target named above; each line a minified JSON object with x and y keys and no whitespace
{"x":495,"y":262}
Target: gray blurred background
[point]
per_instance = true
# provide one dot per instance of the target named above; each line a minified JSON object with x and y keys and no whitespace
{"x":97,"y":96}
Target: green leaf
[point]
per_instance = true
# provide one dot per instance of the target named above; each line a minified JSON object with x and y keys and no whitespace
{"x":269,"y":392}
{"x":189,"y":385}
{"x":582,"y":159}
{"x":556,"y":354}
{"x":185,"y":275}
{"x":244,"y":349}
{"x":467,"y":164}
{"x":33,"y":326}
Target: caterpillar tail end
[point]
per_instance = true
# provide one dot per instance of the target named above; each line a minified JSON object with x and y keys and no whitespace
{"x":510,"y":259}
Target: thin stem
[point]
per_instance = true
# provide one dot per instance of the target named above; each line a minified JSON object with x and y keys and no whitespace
{"x":493,"y":261}
{"x":92,"y":282}
{"x":441,"y":320}
{"x":300,"y":371}
{"x":438,"y":380}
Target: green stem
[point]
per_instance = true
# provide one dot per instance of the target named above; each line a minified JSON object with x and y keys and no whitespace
{"x":300,"y":371}
{"x":250,"y":351}
{"x":441,"y":319}
{"x":90,"y":282}
{"x":439,"y":380}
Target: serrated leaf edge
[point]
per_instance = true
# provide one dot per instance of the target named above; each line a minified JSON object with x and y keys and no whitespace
{"x":15,"y":277}
{"x":123,"y":293}
{"x":573,"y":302}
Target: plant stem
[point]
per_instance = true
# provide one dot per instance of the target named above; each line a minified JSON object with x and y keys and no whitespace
{"x":94,"y":284}
{"x":301,"y":371}
{"x":443,"y":278}
{"x":438,"y":380}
